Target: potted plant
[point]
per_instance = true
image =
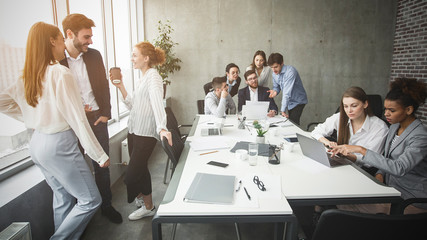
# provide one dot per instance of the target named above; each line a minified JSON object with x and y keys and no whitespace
{"x":172,"y":63}
{"x":260,"y":138}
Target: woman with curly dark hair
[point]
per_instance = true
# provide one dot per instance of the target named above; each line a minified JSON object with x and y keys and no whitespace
{"x":404,"y":162}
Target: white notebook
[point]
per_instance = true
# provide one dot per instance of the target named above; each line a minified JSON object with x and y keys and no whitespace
{"x":211,"y":188}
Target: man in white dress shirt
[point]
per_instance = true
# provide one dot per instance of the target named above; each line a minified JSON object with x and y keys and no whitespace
{"x":218,"y":101}
{"x":88,"y":69}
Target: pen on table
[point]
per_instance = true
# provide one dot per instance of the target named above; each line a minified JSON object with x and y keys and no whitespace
{"x":247,"y":194}
{"x":208,"y":152}
{"x":247,"y":127}
{"x":238,"y":187}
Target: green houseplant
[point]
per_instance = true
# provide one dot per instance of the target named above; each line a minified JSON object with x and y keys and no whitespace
{"x":260,"y":132}
{"x":164,"y":41}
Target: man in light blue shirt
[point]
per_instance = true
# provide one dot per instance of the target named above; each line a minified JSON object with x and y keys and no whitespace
{"x":287,"y":79}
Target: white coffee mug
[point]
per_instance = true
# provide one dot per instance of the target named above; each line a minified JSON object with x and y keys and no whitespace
{"x":241,"y":154}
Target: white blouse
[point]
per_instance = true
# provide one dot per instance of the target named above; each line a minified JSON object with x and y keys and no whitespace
{"x":371,"y":135}
{"x":265,"y":78}
{"x":59,"y":108}
{"x":147,"y":113}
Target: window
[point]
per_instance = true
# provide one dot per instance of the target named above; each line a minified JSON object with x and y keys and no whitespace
{"x":15,"y":27}
{"x":122,"y":45}
{"x":112,"y":36}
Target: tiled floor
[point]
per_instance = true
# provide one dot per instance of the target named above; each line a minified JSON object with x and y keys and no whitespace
{"x":101,"y":228}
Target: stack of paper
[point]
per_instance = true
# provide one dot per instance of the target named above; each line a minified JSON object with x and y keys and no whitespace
{"x":210,"y":143}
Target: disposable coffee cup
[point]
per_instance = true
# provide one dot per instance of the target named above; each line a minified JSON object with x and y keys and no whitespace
{"x":116,"y":73}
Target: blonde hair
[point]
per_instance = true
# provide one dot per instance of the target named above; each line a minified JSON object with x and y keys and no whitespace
{"x":38,"y":56}
{"x":157,"y":55}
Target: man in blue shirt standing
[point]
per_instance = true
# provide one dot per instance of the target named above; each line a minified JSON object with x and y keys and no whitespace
{"x":287,"y":79}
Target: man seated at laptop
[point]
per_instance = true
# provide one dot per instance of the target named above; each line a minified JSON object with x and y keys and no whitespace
{"x":219,"y":100}
{"x":253,"y":92}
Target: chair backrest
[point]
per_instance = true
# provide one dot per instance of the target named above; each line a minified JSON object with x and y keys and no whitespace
{"x":201,"y":106}
{"x":174,"y":151}
{"x":336,"y":224}
{"x":207,"y":87}
{"x":376,"y":104}
{"x":171,"y":122}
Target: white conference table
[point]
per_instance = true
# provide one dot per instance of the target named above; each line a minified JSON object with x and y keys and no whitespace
{"x":303,"y":182}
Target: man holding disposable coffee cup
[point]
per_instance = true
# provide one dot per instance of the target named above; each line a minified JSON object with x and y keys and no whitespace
{"x":88,"y":69}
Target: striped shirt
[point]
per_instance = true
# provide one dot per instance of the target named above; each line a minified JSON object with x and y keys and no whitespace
{"x":147,"y":113}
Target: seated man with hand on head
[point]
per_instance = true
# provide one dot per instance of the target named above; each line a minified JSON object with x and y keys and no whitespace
{"x":219,"y":100}
{"x":253,"y":92}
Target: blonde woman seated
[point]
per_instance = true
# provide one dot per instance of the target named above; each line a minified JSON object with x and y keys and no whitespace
{"x":355,"y":125}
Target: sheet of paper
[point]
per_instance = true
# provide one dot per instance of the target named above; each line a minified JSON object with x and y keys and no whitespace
{"x":210,"y":143}
{"x":273,"y":190}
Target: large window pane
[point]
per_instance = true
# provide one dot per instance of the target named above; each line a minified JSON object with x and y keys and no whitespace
{"x":122,"y":44}
{"x":16,"y":19}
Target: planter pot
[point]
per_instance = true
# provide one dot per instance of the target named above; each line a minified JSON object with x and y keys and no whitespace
{"x":260,"y":139}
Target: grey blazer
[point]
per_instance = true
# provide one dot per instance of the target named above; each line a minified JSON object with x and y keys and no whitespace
{"x":404,"y":163}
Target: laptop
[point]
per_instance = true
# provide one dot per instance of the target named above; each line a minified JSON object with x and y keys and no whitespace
{"x":255,"y":110}
{"x":315,"y":150}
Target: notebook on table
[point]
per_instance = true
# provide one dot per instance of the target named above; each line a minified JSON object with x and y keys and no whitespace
{"x":211,"y":188}
{"x":315,"y":150}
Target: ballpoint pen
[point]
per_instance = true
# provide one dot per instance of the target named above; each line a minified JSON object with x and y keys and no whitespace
{"x":238,"y":187}
{"x":247,"y":194}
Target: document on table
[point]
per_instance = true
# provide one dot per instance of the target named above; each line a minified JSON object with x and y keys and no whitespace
{"x":210,"y":143}
{"x":283,"y":122}
{"x":272,"y":185}
{"x":211,"y":188}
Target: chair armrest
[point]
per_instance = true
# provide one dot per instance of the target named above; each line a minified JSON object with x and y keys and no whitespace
{"x":409,"y":201}
{"x":311,"y":124}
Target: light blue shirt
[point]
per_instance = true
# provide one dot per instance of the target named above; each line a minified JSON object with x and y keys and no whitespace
{"x":230,"y":85}
{"x":290,"y":82}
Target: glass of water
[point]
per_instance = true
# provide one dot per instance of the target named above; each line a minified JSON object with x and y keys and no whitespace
{"x":253,"y":154}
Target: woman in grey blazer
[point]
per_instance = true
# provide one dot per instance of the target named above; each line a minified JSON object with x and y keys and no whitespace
{"x":404,"y":162}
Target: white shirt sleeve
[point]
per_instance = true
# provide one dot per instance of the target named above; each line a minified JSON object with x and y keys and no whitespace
{"x":155,"y":91}
{"x":325,"y":129}
{"x":69,"y":104}
{"x":8,"y":105}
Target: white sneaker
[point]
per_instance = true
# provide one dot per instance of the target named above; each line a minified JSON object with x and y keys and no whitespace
{"x":139,"y":202}
{"x":142,"y":212}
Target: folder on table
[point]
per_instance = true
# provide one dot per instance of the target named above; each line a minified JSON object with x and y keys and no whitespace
{"x":211,"y":188}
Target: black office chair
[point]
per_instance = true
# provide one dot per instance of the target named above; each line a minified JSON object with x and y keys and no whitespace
{"x":174,"y":151}
{"x":207,"y":87}
{"x":172,"y":124}
{"x":201,"y":106}
{"x":337,"y":224}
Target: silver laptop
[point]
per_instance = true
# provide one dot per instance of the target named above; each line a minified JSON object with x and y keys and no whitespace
{"x":255,"y":110}
{"x":315,"y":150}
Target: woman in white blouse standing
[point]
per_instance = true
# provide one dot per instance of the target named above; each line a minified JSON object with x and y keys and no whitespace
{"x":355,"y":125}
{"x":48,"y":100}
{"x":146,"y":125}
{"x":262,"y":70}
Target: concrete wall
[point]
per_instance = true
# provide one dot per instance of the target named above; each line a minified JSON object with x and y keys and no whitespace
{"x":334,"y":44}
